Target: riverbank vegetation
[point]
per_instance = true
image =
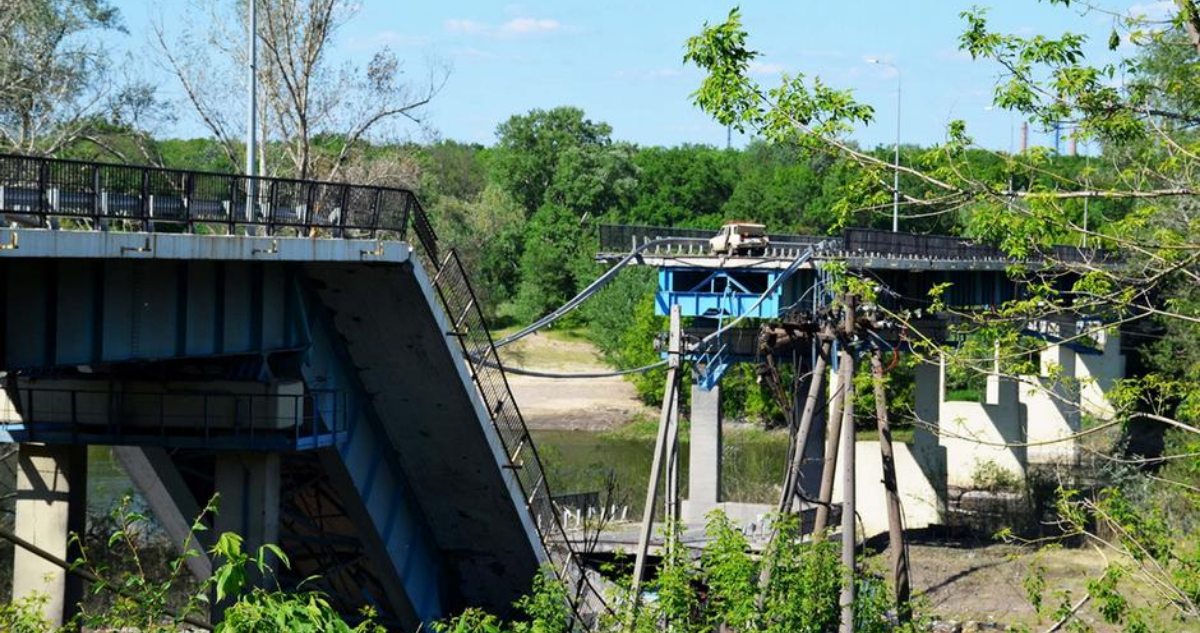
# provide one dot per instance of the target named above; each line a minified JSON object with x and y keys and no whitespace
{"x":525,"y":210}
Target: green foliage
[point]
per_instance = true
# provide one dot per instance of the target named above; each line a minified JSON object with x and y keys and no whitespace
{"x":24,"y":615}
{"x":788,"y":112}
{"x":552,"y":266}
{"x":529,"y":148}
{"x":488,"y":233}
{"x":637,"y":349}
{"x":139,"y":602}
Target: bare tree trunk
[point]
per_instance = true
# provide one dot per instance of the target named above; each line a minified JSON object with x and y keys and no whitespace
{"x":1191,"y":20}
{"x":899,"y":554}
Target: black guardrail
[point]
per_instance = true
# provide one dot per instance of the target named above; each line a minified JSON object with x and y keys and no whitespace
{"x":53,"y":192}
{"x":623,"y":238}
{"x":870,"y":243}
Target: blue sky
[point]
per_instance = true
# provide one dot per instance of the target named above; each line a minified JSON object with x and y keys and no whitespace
{"x":621,"y":61}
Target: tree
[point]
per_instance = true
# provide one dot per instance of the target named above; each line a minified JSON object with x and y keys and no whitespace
{"x":487,"y":232}
{"x":55,"y":76}
{"x":529,"y":147}
{"x":682,"y":186}
{"x":1145,"y":178}
{"x":306,"y":97}
{"x":588,"y":181}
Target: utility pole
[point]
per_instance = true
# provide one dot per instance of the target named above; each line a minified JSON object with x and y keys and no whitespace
{"x":252,"y":111}
{"x":833,"y":436}
{"x":896,"y":546}
{"x":662,"y":445}
{"x":815,"y":385}
{"x":849,"y":540}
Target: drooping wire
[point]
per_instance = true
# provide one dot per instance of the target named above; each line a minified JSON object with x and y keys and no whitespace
{"x":587,"y":292}
{"x":592,"y":288}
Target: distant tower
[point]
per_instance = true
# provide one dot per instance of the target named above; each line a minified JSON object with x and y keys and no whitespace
{"x":1024,"y":136}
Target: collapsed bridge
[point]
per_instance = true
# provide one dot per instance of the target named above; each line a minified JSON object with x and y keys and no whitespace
{"x":305,"y":350}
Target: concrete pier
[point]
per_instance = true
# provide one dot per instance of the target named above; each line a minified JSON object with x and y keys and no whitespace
{"x":704,"y":466}
{"x":51,"y":504}
{"x":248,"y":485}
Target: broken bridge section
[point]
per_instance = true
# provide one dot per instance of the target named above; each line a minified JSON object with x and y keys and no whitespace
{"x":279,"y":344}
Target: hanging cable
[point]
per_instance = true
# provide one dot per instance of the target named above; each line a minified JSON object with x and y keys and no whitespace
{"x":587,"y":292}
{"x":599,"y":283}
{"x":520,"y":371}
{"x":783,"y":276}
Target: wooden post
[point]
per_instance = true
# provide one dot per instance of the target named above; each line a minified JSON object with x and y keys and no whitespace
{"x":833,"y":436}
{"x":671,"y":502}
{"x":899,"y":555}
{"x":671,"y":395}
{"x":801,"y":444}
{"x":849,"y":538}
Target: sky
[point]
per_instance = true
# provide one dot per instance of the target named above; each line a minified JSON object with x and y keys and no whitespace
{"x":621,"y":61}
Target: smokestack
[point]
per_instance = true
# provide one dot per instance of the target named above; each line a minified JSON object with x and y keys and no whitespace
{"x":1024,"y":136}
{"x":1073,"y":147}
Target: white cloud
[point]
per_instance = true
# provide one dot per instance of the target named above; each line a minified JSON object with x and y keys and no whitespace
{"x":765,"y":68}
{"x":1153,"y":10}
{"x":516,"y":27}
{"x":470,"y":27}
{"x":522,"y":26}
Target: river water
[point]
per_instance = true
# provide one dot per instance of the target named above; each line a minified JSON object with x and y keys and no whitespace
{"x":576,"y":461}
{"x":582,"y":461}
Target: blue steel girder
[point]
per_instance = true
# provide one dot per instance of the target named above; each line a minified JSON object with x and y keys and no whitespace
{"x":367,"y":470}
{"x":716,"y":294}
{"x":72,"y":312}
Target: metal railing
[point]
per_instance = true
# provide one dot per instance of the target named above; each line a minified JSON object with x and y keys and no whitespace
{"x":193,"y":419}
{"x":53,"y":192}
{"x":852,"y":243}
{"x":469,"y":328}
{"x":623,"y":238}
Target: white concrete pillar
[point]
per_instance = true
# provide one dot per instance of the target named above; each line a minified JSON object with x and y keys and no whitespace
{"x":927,"y":398}
{"x":1052,"y":405}
{"x":248,"y":485}
{"x":1097,"y":373}
{"x":704,"y":451}
{"x":992,"y":390}
{"x":51,"y":503}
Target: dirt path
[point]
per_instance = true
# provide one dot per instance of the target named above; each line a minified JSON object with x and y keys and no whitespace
{"x":983,"y":583}
{"x":591,"y":404}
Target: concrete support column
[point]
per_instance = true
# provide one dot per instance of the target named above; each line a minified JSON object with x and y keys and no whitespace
{"x":927,"y":393}
{"x":248,"y":484}
{"x":992,"y":395}
{"x":51,"y":504}
{"x":704,"y":463}
{"x":1053,"y":404}
{"x":1098,"y":372}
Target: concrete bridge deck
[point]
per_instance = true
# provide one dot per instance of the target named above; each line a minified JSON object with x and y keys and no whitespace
{"x":292,"y":351}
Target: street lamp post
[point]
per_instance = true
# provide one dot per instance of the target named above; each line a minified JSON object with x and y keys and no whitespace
{"x":251,"y":109}
{"x":896,"y":165}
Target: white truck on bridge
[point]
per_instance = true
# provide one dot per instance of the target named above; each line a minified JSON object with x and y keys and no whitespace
{"x":738,"y":237}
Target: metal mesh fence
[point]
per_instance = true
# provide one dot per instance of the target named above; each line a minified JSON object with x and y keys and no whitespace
{"x":46,"y":191}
